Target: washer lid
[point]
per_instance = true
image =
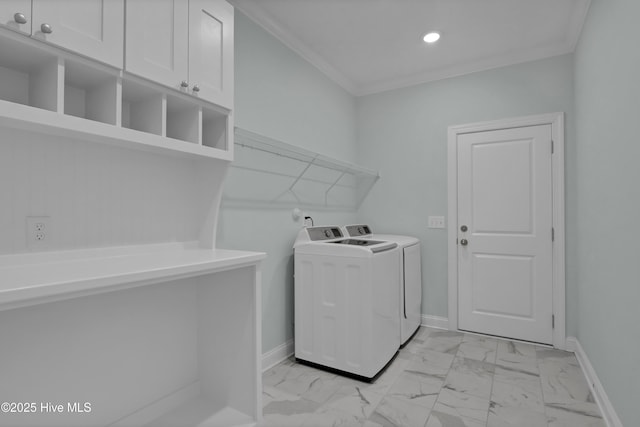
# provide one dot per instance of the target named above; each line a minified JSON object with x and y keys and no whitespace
{"x":374,"y":246}
{"x":358,"y":242}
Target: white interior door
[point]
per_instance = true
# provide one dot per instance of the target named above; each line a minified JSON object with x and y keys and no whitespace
{"x":505,"y":281}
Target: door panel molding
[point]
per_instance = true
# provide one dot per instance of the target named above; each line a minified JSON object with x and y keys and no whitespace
{"x":556,"y":120}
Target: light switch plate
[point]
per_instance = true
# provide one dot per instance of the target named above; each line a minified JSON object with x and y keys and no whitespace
{"x":436,"y":222}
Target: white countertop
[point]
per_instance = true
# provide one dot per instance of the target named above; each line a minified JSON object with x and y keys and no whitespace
{"x":28,"y":279}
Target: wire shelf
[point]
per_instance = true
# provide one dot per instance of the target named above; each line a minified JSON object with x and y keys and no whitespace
{"x":272,"y":173}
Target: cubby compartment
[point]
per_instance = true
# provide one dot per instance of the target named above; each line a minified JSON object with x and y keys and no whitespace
{"x":37,"y":79}
{"x":184,"y":120}
{"x":90,"y":93}
{"x":143,"y":108}
{"x":215,"y":129}
{"x":29,"y":76}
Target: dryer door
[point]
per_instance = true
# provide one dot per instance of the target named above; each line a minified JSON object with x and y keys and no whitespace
{"x":411,"y":309}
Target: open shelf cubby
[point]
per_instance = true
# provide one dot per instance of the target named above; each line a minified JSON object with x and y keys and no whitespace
{"x":29,"y":76}
{"x":183,"y":120}
{"x":90,"y":93}
{"x":143,"y":108}
{"x":37,"y":80}
{"x":214,"y":129}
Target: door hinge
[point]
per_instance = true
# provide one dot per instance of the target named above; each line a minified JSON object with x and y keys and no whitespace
{"x":553,"y":321}
{"x":552,"y":147}
{"x":553,"y":234}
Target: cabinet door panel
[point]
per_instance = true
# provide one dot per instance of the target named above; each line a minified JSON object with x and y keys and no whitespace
{"x":9,"y":8}
{"x":211,"y":50}
{"x":157,"y":43}
{"x":94,"y":28}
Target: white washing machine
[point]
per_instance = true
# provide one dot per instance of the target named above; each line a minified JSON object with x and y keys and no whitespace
{"x":346,"y":302}
{"x":410,"y":276}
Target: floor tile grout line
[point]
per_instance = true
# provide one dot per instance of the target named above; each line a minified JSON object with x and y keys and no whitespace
{"x":390,"y":387}
{"x":544,"y":401}
{"x":442,"y":385}
{"x":493,"y":379}
{"x":570,"y":399}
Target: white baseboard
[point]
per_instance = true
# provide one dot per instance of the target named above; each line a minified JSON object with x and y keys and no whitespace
{"x":608,"y":412}
{"x":163,"y":405}
{"x":571,"y":344}
{"x":276,"y":355}
{"x":435,"y":322}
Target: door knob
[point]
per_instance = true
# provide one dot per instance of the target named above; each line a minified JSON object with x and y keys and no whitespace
{"x":20,"y":18}
{"x":184,"y":83}
{"x":463,"y":228}
{"x":46,"y":28}
{"x":464,"y":242}
{"x":196,"y":88}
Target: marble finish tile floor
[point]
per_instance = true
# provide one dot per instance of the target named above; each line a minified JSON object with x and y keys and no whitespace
{"x":440,"y":379}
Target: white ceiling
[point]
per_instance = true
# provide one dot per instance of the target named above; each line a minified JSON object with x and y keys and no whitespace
{"x":368,"y":46}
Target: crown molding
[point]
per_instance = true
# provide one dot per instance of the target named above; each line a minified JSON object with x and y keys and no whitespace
{"x":512,"y":58}
{"x":262,"y":18}
{"x":574,"y":30}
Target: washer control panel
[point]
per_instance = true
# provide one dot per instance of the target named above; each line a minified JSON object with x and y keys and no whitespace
{"x":358,"y":230}
{"x":324,"y":233}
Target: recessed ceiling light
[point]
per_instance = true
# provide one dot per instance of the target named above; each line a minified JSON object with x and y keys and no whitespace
{"x":431,"y":37}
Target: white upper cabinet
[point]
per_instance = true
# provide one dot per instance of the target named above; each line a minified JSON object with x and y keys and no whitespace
{"x":176,"y":91}
{"x":211,"y":50}
{"x":16,"y":14}
{"x":94,"y":28}
{"x":157,"y":40}
{"x":186,"y":45}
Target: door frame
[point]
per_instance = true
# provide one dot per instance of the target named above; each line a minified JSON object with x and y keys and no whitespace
{"x":556,"y":120}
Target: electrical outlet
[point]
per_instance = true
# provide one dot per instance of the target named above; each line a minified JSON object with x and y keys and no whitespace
{"x":436,"y":222}
{"x":38,"y":232}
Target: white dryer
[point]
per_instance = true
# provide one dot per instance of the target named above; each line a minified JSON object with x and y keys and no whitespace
{"x":410,"y":276}
{"x":346,"y":302}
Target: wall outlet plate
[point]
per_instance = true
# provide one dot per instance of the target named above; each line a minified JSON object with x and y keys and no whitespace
{"x":39,"y":232}
{"x":436,"y":222}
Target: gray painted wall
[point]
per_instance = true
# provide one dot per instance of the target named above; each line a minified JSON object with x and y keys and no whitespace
{"x":607,"y":86}
{"x":280,"y":95}
{"x":403,"y":134}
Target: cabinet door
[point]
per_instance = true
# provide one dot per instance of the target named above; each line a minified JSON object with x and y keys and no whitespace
{"x":8,"y":16}
{"x":94,"y":28}
{"x":157,"y":43}
{"x":211,"y":50}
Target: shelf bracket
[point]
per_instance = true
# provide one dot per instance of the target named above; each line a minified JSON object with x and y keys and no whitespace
{"x":293,"y":184}
{"x":326,"y":193}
